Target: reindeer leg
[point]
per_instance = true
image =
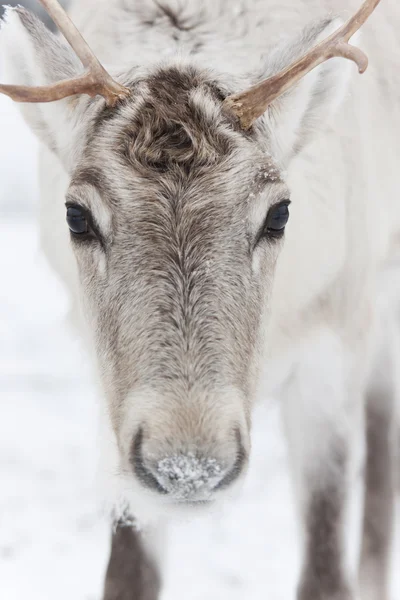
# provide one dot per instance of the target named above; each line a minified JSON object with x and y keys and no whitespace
{"x":320,"y":415}
{"x":131,"y":574}
{"x":380,"y":475}
{"x":379,"y":501}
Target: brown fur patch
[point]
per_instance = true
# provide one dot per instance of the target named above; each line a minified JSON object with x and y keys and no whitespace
{"x":170,"y":130}
{"x":323,"y":577}
{"x":379,"y":503}
{"x":130,"y":573}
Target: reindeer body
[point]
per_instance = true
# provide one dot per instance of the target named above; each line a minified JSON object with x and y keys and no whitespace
{"x":328,"y":332}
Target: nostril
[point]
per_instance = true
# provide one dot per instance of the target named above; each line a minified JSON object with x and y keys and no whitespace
{"x":234,"y":473}
{"x":142,"y":472}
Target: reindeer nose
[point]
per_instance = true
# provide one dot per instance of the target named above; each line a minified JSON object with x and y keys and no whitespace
{"x":187,"y":476}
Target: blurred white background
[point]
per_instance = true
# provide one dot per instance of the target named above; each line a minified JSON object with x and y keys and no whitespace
{"x":33,"y":5}
{"x":53,"y":537}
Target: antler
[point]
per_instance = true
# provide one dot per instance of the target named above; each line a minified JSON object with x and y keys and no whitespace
{"x":253,"y":103}
{"x":95,"y":81}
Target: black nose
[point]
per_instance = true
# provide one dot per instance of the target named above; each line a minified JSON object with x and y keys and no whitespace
{"x":181,"y":473}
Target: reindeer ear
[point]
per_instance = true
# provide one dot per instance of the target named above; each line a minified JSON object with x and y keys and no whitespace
{"x":302,"y":112}
{"x":33,"y":56}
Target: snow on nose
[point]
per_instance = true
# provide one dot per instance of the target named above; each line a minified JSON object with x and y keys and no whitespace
{"x":187,"y":476}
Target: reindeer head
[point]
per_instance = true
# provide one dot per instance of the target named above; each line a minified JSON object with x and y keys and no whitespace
{"x":177,"y":208}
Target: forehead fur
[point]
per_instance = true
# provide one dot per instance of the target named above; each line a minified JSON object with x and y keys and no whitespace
{"x":172,"y":126}
{"x":178,"y":124}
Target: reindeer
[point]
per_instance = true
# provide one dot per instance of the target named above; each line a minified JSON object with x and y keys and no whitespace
{"x":191,"y":284}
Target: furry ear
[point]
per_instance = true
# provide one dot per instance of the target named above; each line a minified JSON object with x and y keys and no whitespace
{"x":295,"y":117}
{"x":33,"y":56}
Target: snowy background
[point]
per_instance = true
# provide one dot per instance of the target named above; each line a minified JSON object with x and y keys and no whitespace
{"x":33,"y":5}
{"x":53,"y":537}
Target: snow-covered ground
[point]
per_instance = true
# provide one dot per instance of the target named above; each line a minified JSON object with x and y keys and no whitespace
{"x":53,"y":538}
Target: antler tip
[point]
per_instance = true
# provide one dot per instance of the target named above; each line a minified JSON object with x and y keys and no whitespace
{"x":362,"y":62}
{"x":363,"y":67}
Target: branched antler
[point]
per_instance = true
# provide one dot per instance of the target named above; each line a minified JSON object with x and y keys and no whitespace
{"x":95,"y":81}
{"x":252,"y":103}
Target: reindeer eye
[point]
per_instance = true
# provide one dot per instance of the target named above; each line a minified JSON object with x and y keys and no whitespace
{"x":277,"y":219}
{"x":77,"y":220}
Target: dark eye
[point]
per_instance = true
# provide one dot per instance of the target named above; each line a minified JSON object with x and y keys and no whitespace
{"x":77,"y":220}
{"x":277,"y":219}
